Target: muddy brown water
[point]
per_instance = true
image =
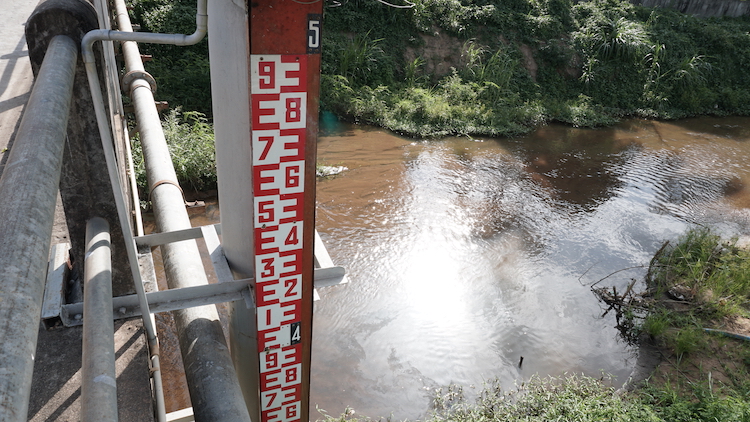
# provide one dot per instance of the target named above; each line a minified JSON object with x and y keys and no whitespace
{"x":466,"y":254}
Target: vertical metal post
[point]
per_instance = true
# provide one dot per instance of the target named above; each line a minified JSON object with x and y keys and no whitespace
{"x":98,"y":383}
{"x":28,"y":191}
{"x":228,"y":46}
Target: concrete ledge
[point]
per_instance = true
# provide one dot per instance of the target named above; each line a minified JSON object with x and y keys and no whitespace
{"x":56,"y":385}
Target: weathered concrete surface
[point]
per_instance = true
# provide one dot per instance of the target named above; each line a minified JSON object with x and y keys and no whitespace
{"x":55,"y":392}
{"x":702,"y":8}
{"x":15,"y":71}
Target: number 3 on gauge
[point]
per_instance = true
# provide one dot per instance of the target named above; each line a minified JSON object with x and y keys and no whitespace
{"x":313,"y":33}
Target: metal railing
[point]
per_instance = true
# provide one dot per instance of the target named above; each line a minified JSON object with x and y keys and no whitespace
{"x":98,"y":379}
{"x":28,"y":191}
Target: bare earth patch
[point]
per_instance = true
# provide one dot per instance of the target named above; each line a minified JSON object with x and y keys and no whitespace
{"x":721,"y":361}
{"x":441,"y":53}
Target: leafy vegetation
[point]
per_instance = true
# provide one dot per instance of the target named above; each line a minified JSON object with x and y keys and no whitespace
{"x":480,"y":67}
{"x":190,"y":139}
{"x":697,"y":283}
{"x":527,"y":62}
{"x":711,"y":275}
{"x":494,"y":68}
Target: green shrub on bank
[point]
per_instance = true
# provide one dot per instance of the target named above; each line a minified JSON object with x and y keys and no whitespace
{"x":596,"y":61}
{"x":190,"y":140}
{"x":579,"y":398}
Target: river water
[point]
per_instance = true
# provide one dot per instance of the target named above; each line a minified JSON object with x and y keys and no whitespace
{"x":465,"y":254}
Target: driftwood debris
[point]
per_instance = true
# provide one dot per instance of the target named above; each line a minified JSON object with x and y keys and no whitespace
{"x":627,"y":306}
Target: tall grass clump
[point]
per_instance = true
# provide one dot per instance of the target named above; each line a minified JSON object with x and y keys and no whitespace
{"x":190,"y":140}
{"x":693,"y":283}
{"x":713,"y":273}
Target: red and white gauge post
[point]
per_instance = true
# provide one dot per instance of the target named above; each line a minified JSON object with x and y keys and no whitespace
{"x":265,"y":77}
{"x":284,"y":75}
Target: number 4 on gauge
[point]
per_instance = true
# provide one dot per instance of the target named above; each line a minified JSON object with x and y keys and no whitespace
{"x":296,"y":334}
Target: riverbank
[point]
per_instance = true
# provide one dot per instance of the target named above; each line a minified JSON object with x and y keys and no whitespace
{"x":699,"y":281}
{"x":458,"y":68}
{"x":696,"y":314}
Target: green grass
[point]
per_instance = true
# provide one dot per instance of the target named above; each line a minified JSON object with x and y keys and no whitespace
{"x":713,"y":274}
{"x":571,"y":398}
{"x":576,"y":398}
{"x":191,"y":145}
{"x":598,"y":61}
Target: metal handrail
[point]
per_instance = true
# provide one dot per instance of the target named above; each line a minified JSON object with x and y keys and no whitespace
{"x":98,"y":374}
{"x":28,"y":192}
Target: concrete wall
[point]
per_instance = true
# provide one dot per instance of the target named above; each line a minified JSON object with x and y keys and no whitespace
{"x":702,"y":8}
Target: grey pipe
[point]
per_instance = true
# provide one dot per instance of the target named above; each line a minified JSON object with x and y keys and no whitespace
{"x":98,"y":380}
{"x":133,"y":62}
{"x":28,"y":190}
{"x":212,"y":380}
{"x":201,"y":27}
{"x":122,"y":212}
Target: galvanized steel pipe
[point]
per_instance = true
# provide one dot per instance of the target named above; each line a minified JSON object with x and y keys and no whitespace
{"x":201,"y":20}
{"x":98,"y":381}
{"x":28,"y":191}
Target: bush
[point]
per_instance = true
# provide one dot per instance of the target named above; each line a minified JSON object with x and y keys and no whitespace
{"x":191,"y":144}
{"x":181,"y":72}
{"x":597,"y":61}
